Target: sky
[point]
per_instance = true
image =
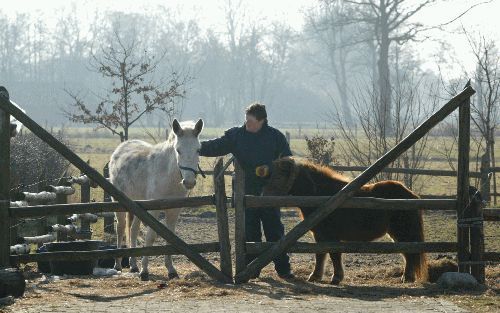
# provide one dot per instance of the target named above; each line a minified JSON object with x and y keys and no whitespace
{"x":210,"y":14}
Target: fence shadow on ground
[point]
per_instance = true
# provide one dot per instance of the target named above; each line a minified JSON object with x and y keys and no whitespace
{"x":299,"y":288}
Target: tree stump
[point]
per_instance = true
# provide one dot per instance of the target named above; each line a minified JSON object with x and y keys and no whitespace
{"x":11,"y":282}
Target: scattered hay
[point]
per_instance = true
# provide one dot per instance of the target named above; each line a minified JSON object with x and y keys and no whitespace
{"x":440,"y":266}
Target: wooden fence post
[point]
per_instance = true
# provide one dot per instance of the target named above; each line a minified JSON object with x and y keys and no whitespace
{"x":222,"y":219}
{"x":62,"y":219}
{"x":484,"y":184}
{"x":85,"y":198}
{"x":463,"y":184}
{"x":477,"y":241}
{"x":109,"y":221}
{"x":239,"y":218}
{"x":4,"y":188}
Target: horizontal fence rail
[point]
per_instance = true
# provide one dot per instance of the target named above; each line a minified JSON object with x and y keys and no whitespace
{"x":100,"y":207}
{"x":493,"y":257}
{"x":406,"y":171}
{"x":355,"y":202}
{"x":111,"y":253}
{"x":492,"y":215}
{"x":358,"y":247}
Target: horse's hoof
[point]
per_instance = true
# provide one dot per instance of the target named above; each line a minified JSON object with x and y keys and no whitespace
{"x":118,"y":268}
{"x":144,"y":276}
{"x":134,"y":270}
{"x":335,"y":281}
{"x":313,"y":278}
{"x":173,"y":275}
{"x":407,"y":279}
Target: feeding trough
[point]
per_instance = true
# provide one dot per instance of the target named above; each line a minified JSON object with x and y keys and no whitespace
{"x":84,"y":267}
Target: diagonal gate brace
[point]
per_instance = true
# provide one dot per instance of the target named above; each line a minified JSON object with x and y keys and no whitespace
{"x":127,"y":203}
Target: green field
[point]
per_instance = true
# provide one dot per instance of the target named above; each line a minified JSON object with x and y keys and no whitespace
{"x":97,"y":146}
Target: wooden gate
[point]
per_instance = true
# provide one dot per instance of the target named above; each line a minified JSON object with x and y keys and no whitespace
{"x":467,"y":240}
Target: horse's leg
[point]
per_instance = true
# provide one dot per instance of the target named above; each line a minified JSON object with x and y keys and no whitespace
{"x":319,"y":268}
{"x":171,"y":217}
{"x":338,"y":268}
{"x":120,"y":234}
{"x":149,"y":240}
{"x":134,"y":233}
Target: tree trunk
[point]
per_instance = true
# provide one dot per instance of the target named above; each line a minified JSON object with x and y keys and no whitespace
{"x":384,"y":78}
{"x":343,"y":96}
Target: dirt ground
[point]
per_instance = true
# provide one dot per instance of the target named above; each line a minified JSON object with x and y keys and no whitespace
{"x":368,"y":277}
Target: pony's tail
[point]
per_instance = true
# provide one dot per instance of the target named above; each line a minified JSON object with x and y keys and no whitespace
{"x":422,"y":267}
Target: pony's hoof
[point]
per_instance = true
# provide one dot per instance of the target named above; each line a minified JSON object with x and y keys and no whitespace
{"x":134,"y":270}
{"x":313,"y":278}
{"x":144,"y":276}
{"x":407,"y":279}
{"x":335,"y":281}
{"x":173,"y":275}
{"x":118,"y":268}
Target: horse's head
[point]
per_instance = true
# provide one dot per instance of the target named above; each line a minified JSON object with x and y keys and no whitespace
{"x":281,"y":178}
{"x":187,"y":150}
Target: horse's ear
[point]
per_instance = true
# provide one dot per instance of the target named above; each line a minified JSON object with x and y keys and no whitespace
{"x":290,"y":170}
{"x":198,"y":127}
{"x":177,"y":127}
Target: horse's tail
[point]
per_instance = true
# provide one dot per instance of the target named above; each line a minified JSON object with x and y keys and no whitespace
{"x":129,"y":219}
{"x":421,"y":268}
{"x":410,"y":227}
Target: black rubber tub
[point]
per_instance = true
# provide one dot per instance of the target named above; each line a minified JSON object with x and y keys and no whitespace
{"x":84,"y":267}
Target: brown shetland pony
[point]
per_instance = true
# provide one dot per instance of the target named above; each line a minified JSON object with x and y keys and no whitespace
{"x":299,"y":178}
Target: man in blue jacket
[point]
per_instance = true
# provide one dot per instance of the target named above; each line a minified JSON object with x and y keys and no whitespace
{"x":255,"y":144}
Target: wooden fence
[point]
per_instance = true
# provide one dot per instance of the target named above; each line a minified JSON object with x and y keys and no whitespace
{"x":470,"y":238}
{"x":84,"y":209}
{"x":66,"y":225}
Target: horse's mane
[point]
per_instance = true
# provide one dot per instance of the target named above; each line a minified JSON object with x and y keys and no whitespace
{"x":322,"y":170}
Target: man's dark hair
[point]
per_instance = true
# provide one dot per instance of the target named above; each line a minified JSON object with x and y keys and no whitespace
{"x":258,"y":110}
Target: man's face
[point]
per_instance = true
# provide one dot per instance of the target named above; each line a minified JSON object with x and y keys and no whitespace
{"x":252,"y":124}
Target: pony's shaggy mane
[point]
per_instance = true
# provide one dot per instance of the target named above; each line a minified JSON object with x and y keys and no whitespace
{"x":322,"y":170}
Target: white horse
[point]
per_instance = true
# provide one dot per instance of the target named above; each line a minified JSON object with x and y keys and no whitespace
{"x":144,"y":171}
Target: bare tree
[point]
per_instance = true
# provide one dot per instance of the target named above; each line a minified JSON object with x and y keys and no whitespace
{"x":133,"y":93}
{"x":276,"y":54}
{"x":484,"y":110}
{"x":33,"y":160}
{"x":337,"y":40}
{"x":485,"y":114}
{"x":390,"y":21}
{"x":363,"y":144}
